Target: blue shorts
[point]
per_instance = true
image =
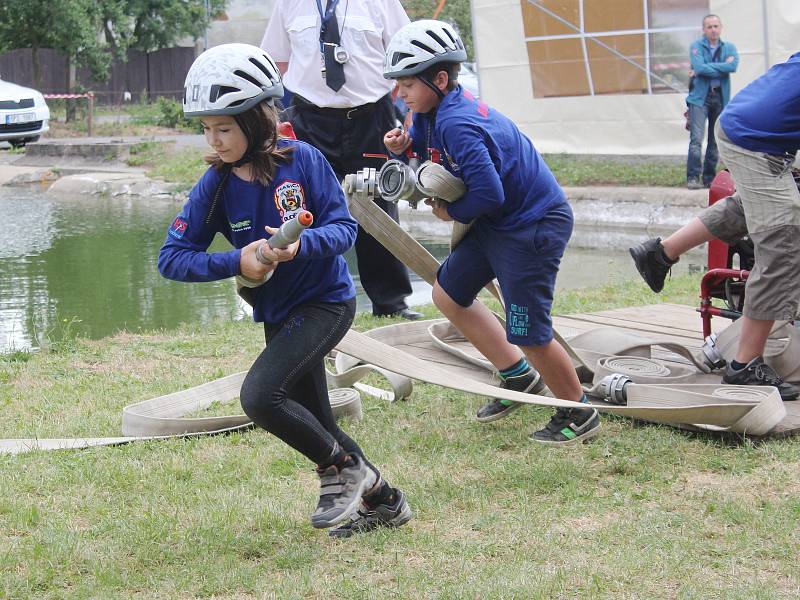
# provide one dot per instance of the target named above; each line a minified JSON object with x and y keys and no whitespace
{"x":525,"y":263}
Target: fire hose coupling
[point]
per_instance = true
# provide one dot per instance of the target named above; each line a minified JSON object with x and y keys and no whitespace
{"x":397,"y":181}
{"x":612,"y":388}
{"x":361,"y":184}
{"x":400,"y":181}
{"x":711,"y":355}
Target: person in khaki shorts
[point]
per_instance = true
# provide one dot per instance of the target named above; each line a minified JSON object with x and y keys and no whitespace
{"x":758,"y":136}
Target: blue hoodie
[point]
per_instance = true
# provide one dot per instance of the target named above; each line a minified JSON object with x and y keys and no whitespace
{"x":317,"y":273}
{"x":509,"y":186}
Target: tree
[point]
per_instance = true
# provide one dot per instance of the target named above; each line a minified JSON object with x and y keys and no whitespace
{"x":455,"y":12}
{"x":150,"y":25}
{"x":68,"y":26}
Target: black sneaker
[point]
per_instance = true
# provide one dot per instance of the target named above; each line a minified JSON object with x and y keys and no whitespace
{"x":651,"y":263}
{"x":757,"y":372}
{"x":529,"y":382}
{"x":383,"y":515}
{"x":341,"y":491}
{"x":569,"y":426}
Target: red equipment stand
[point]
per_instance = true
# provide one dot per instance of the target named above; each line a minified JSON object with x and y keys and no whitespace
{"x":717,"y":281}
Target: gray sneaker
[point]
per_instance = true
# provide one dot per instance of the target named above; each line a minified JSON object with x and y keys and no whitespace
{"x":569,"y":426}
{"x":383,"y":515}
{"x":757,"y":372}
{"x":529,"y":382}
{"x":341,"y":491}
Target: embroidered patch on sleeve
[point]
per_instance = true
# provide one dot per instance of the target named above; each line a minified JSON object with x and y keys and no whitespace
{"x":178,"y":228}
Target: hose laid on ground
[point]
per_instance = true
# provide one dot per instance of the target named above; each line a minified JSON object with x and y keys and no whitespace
{"x":782,"y":351}
{"x":684,"y":407}
{"x":743,"y":409}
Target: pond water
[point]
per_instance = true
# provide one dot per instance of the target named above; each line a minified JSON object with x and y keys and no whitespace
{"x":87,"y":266}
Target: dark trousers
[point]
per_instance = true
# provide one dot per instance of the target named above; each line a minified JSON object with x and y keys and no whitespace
{"x":698,"y":115}
{"x":286,"y":392}
{"x":344,"y":136}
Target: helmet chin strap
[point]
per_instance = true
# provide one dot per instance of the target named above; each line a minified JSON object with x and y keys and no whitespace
{"x":430,"y":84}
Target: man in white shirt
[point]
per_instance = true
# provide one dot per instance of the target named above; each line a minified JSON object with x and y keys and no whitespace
{"x":331,"y":54}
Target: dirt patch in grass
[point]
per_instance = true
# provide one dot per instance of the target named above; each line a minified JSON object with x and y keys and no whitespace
{"x":769,"y":483}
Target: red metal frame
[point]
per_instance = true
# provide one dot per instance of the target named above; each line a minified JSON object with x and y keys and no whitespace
{"x":719,"y":262}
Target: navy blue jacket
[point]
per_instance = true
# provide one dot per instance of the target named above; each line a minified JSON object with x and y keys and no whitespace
{"x":509,"y":186}
{"x":318,"y":273}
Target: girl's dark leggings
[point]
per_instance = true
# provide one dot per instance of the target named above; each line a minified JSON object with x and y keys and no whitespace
{"x":286,"y":391}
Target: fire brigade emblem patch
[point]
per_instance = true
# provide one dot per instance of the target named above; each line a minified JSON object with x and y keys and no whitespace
{"x":289,"y":199}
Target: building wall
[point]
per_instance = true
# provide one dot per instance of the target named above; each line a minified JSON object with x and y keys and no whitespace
{"x":624,"y":123}
{"x":245,"y":22}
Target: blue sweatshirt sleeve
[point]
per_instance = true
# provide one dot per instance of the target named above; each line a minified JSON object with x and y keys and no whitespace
{"x":184,"y":256}
{"x":467,"y":146}
{"x":334,"y":230}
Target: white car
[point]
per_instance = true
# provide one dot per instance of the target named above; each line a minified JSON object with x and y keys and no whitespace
{"x":24,"y":114}
{"x":468,"y":78}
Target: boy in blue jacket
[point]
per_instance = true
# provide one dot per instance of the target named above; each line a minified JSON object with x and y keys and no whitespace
{"x":521,"y":223}
{"x":303,"y":293}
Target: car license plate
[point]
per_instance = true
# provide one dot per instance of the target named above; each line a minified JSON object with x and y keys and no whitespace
{"x":20,"y":118}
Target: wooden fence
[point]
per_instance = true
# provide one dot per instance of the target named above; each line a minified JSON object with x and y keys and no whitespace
{"x":143,"y":75}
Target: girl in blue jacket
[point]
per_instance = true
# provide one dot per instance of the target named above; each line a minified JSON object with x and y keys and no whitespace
{"x":521,"y":223}
{"x":303,"y":293}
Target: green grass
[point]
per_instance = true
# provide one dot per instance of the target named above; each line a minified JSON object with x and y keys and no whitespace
{"x":162,"y":161}
{"x":586,"y":170}
{"x":643,"y":511}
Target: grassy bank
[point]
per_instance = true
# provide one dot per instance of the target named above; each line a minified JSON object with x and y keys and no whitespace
{"x":186,"y":166}
{"x":641,"y":512}
{"x":583,"y":170}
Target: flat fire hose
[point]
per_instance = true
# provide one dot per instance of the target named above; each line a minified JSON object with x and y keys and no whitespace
{"x":703,"y":406}
{"x":742,"y":409}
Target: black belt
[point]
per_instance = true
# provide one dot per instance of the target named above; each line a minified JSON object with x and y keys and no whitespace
{"x":342,"y":113}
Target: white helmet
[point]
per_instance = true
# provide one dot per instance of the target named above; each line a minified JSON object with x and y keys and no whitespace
{"x":229,"y":79}
{"x":422,"y":44}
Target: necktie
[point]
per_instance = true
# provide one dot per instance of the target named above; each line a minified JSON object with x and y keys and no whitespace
{"x":334,"y":71}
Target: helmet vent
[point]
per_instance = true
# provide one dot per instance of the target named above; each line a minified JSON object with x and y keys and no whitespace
{"x":248,"y":77}
{"x":220,"y":90}
{"x":456,"y":40}
{"x":261,"y":68}
{"x":422,"y":46}
{"x":438,"y":39}
{"x":398,"y":56}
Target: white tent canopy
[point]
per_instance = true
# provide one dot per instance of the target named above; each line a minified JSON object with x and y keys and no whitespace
{"x":610,"y":77}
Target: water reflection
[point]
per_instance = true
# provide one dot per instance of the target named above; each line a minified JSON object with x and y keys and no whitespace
{"x":87,"y":265}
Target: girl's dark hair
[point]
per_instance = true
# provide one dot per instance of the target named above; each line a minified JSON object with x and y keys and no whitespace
{"x":260,"y":126}
{"x":451,"y":68}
